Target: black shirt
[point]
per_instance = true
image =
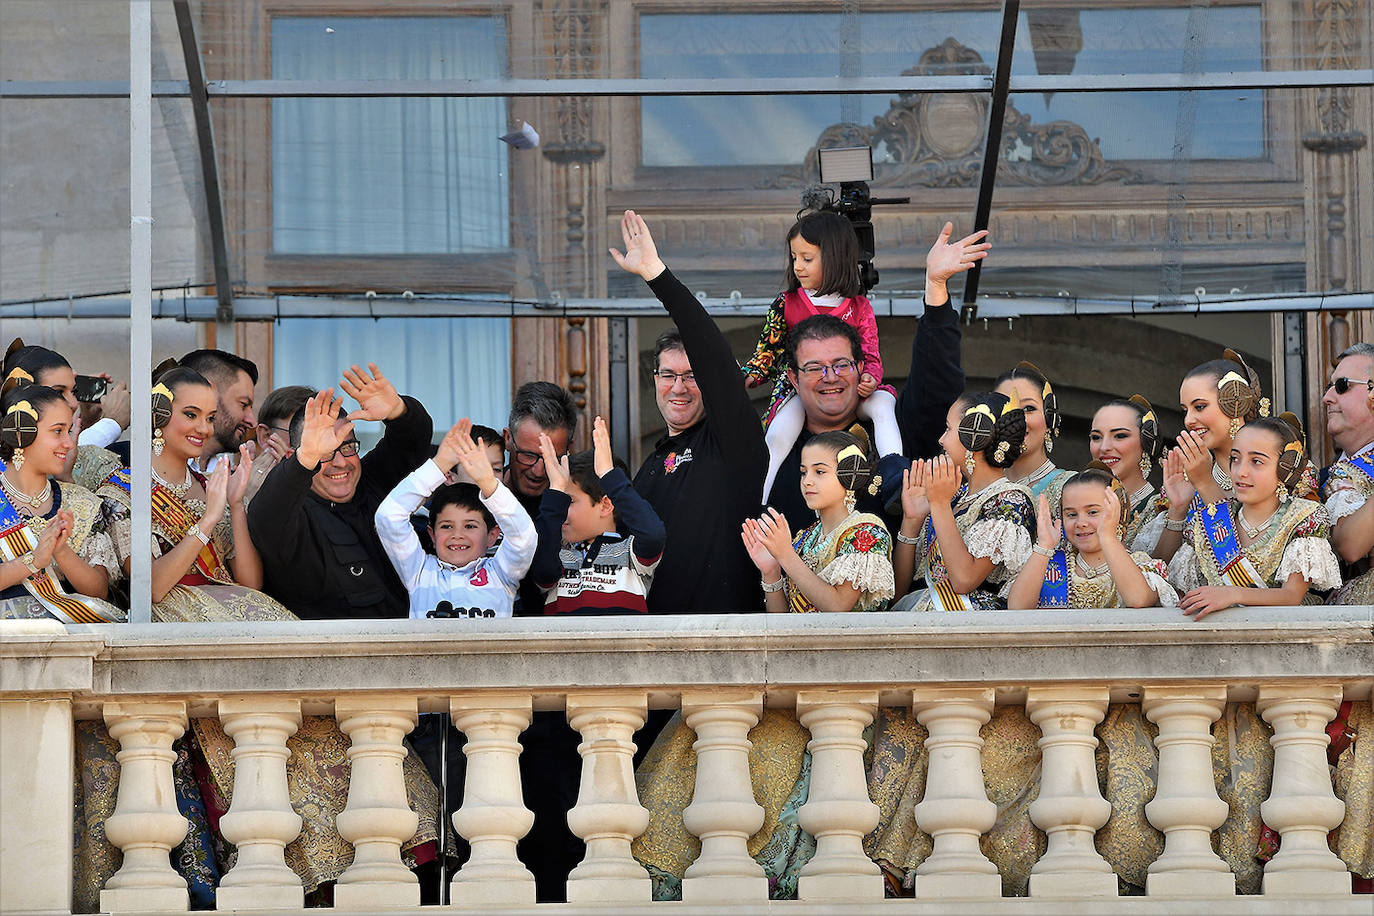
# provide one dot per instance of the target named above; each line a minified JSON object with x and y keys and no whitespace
{"x":323,"y":560}
{"x":704,"y":481}
{"x":935,"y":382}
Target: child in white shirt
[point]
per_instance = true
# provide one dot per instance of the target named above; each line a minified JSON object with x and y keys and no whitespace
{"x":465,"y":522}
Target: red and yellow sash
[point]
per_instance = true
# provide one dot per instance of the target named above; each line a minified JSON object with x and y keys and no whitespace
{"x":176,"y":519}
{"x":16,"y":541}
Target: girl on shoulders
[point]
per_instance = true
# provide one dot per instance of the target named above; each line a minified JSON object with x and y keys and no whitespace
{"x":1096,"y":570}
{"x":1263,"y":547}
{"x":966,"y":528}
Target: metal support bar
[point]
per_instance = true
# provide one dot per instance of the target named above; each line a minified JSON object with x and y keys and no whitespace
{"x":992,"y":146}
{"x":272,"y":308}
{"x":602,"y":88}
{"x":209,"y":169}
{"x":622,"y":383}
{"x":141,"y":303}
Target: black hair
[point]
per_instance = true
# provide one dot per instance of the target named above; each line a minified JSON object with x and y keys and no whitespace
{"x":281,"y":404}
{"x":582,"y":470}
{"x":12,"y":436}
{"x":297,"y":426}
{"x":220,"y":366}
{"x":855,"y":472}
{"x":550,"y":406}
{"x":35,"y":361}
{"x":489,"y":437}
{"x":1000,"y":439}
{"x":1287,"y":428}
{"x":820,"y":327}
{"x":1152,"y":446}
{"x":670,"y":339}
{"x":180,"y":376}
{"x":1029,"y":372}
{"x":462,"y":495}
{"x":834,"y":235}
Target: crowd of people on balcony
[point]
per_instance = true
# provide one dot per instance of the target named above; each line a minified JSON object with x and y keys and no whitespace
{"x":929,"y":499}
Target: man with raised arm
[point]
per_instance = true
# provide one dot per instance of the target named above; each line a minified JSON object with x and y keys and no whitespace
{"x":312,"y":520}
{"x":704,"y":475}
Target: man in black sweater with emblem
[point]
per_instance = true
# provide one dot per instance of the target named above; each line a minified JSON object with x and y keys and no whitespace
{"x":704,"y":476}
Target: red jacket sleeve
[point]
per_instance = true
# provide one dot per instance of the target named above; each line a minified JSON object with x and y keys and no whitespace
{"x":867,"y":325}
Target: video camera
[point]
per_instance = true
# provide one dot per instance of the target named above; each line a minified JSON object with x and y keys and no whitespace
{"x":852,"y":168}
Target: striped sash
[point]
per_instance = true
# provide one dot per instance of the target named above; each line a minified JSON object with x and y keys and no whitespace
{"x":942,"y":593}
{"x":176,"y":519}
{"x":1220,"y":534}
{"x":16,"y":540}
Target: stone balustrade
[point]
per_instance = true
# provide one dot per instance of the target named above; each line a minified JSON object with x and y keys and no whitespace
{"x":951,"y":671}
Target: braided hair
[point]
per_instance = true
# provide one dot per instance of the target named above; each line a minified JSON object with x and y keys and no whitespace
{"x":854,"y":463}
{"x":1292,"y":460}
{"x":21,"y":405}
{"x":992,"y":425}
{"x":1239,"y":394}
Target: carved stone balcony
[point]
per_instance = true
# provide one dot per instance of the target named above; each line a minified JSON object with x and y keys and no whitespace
{"x":951,"y":672}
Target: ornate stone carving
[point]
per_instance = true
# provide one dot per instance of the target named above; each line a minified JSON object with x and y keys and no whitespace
{"x":936,"y":140}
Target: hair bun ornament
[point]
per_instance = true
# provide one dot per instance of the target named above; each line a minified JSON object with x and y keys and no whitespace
{"x":976,"y":427}
{"x":16,"y":379}
{"x":1257,"y":403}
{"x":162,"y":405}
{"x":1151,"y":442}
{"x":164,"y":366}
{"x":1293,"y":459}
{"x":19,"y":427}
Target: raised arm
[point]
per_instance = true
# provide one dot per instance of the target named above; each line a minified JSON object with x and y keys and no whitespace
{"x":936,"y":378}
{"x":393,"y":525}
{"x":407,"y":428}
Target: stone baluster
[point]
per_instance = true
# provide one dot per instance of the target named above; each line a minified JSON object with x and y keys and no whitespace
{"x":723,"y":812}
{"x":377,"y":818}
{"x":608,"y":815}
{"x":1186,"y":806}
{"x":1302,"y":806}
{"x":146,"y":823}
{"x":493,"y":816}
{"x":838,"y":812}
{"x":1070,"y":807}
{"x":955,"y":811}
{"x":260,"y":821}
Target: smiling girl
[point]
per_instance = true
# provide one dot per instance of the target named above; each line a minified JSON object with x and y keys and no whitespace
{"x":1096,"y":570}
{"x":970,"y":525}
{"x":57,"y":557}
{"x":1264,"y":547}
{"x":842,"y":562}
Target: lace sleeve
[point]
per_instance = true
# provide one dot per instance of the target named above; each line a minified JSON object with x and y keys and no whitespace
{"x":863,"y":560}
{"x":1167,"y":596}
{"x":1185,"y":574}
{"x":1147,"y":539}
{"x":1343,"y":502}
{"x":1005,"y":543}
{"x":1313,"y":559}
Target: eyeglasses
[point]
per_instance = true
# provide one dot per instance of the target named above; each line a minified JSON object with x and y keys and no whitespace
{"x":671,"y":378}
{"x":840,"y":368}
{"x":526,"y":458}
{"x":1342,"y":385}
{"x":348,"y":450}
{"x":284,"y":430}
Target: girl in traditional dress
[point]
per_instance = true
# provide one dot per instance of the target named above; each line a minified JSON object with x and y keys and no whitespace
{"x":56,"y":554}
{"x":1030,"y":390}
{"x":838,"y":564}
{"x":1263,"y":547}
{"x":843,"y":561}
{"x":1097,"y":570}
{"x":968,"y":534}
{"x":1126,"y":437}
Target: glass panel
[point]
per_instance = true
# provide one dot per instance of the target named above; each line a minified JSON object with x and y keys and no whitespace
{"x":388,"y":176}
{"x":681,"y":131}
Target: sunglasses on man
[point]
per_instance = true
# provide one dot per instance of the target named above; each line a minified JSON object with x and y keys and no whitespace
{"x":1342,"y":385}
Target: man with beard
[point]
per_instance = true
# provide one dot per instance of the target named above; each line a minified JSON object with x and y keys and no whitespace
{"x":234,"y":378}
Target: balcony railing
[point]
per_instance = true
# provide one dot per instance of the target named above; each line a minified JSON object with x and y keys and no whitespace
{"x":1296,"y":664}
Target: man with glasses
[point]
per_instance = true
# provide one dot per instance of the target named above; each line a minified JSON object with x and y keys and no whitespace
{"x":538,"y":407}
{"x":312,"y":520}
{"x":1348,"y":484}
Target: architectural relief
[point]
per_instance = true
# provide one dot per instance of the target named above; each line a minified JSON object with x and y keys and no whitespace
{"x":936,"y":140}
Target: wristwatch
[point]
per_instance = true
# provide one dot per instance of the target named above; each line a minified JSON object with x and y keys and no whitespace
{"x":200,"y":535}
{"x":27,"y":560}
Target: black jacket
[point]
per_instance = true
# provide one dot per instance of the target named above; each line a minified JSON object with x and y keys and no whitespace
{"x":323,"y":560}
{"x":705,"y":481}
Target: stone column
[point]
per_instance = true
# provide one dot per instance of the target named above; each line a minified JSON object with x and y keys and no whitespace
{"x":608,"y":815}
{"x":377,"y":818}
{"x":1070,"y":807}
{"x":1186,"y":806}
{"x":493,"y":816}
{"x":145,"y":823}
{"x":955,"y":811}
{"x":36,"y":760}
{"x":260,"y":821}
{"x":838,"y":811}
{"x":723,"y":812}
{"x":1302,"y":806}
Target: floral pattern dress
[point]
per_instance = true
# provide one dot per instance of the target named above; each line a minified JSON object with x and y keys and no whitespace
{"x":997,"y":523}
{"x":857,"y":552}
{"x":1347,"y":490}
